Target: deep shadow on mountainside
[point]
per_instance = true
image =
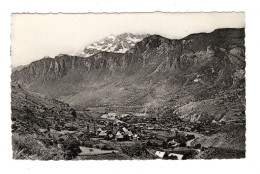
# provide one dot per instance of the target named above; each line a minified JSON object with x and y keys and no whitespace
{"x":201,"y":76}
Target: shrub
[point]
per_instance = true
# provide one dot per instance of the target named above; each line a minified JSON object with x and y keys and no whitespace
{"x":149,"y":143}
{"x":136,"y":149}
{"x":183,"y":144}
{"x":71,"y":148}
{"x":165,"y":145}
{"x":104,"y":147}
{"x":88,"y":144}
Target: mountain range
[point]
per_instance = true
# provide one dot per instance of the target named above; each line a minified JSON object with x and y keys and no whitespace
{"x":201,"y":76}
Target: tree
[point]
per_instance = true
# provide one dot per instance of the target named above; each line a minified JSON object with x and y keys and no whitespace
{"x":73,"y":113}
{"x":149,"y":143}
{"x":165,"y":145}
{"x":71,"y":148}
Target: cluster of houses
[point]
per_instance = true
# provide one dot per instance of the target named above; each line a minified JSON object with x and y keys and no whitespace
{"x":165,"y":155}
{"x":121,"y":123}
{"x":121,"y":134}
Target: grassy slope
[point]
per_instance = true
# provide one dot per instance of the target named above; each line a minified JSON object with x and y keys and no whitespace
{"x":27,"y":147}
{"x":32,"y":112}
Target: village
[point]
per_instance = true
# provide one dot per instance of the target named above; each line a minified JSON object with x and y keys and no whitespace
{"x":139,"y":135}
{"x":109,"y":132}
{"x":106,"y":132}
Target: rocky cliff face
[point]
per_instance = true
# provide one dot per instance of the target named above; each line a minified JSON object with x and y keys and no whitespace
{"x":155,"y":72}
{"x":48,"y":70}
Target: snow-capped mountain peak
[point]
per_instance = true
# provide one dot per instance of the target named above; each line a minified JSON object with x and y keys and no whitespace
{"x":117,"y":44}
{"x":111,"y":37}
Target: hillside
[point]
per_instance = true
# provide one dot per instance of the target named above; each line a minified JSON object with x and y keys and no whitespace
{"x":32,"y":112}
{"x":201,"y":76}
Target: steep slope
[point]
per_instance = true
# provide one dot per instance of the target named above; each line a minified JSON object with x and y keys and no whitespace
{"x":65,"y":75}
{"x":32,"y":112}
{"x":202,"y":73}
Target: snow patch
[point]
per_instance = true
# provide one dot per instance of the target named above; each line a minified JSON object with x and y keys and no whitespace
{"x":133,"y":39}
{"x":122,"y":50}
{"x":196,"y":80}
{"x":111,"y":37}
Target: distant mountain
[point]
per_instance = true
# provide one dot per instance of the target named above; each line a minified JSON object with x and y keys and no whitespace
{"x":116,"y":44}
{"x":17,"y":68}
{"x":201,"y":76}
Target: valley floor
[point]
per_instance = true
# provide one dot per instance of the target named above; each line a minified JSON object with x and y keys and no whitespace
{"x":126,"y":137}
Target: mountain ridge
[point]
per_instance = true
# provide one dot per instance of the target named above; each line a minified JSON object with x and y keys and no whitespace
{"x":149,"y":74}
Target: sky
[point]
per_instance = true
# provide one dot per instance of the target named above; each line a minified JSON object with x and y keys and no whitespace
{"x":35,"y":36}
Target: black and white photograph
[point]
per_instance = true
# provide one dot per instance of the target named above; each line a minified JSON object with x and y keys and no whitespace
{"x":128,"y":86}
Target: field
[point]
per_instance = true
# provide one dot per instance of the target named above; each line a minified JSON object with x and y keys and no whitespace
{"x":86,"y":151}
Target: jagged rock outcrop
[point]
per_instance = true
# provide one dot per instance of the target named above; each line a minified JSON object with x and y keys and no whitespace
{"x":156,"y":70}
